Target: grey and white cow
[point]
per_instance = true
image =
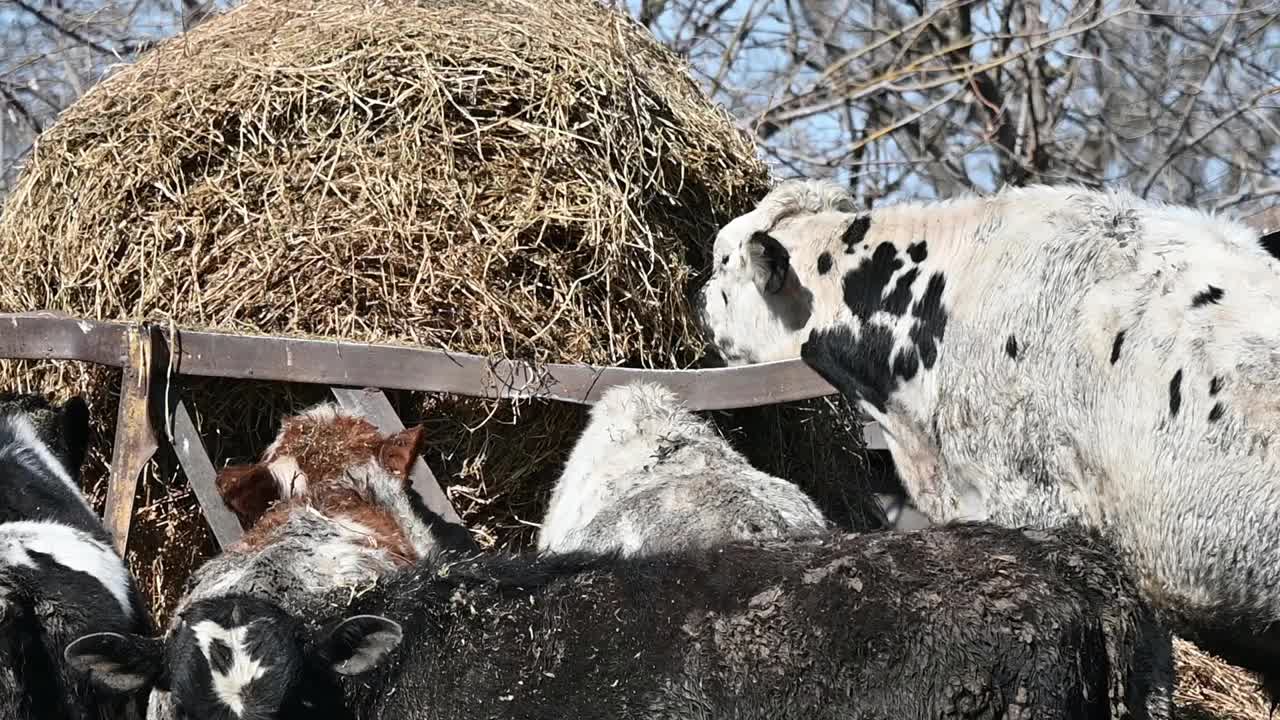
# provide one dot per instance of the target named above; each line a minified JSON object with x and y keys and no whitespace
{"x":329,"y":508}
{"x":1043,"y":354}
{"x":60,"y":576}
{"x":648,"y":475}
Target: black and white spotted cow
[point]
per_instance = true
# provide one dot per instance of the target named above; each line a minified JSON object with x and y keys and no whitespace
{"x":957,"y":622}
{"x":649,"y":475}
{"x":60,"y":576}
{"x":1040,"y":355}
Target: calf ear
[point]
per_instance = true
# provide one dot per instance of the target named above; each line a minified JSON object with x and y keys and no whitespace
{"x":248,"y":490}
{"x":358,"y":644}
{"x":75,"y":430}
{"x":119,"y":663}
{"x":400,"y":450}
{"x":770,"y":262}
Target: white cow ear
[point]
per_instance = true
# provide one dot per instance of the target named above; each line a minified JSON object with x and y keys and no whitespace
{"x":770,"y":262}
{"x":358,"y":644}
{"x":121,"y":663}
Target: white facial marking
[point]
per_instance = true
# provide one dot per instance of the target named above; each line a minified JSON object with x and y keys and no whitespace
{"x":69,"y":548}
{"x":289,"y":477}
{"x":229,"y":687}
{"x":28,"y":445}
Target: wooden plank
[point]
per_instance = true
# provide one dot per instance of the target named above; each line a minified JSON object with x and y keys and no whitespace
{"x":325,"y":362}
{"x":135,"y":439}
{"x":373,"y":404}
{"x":873,"y":436}
{"x":202,"y":476}
{"x":53,"y":336}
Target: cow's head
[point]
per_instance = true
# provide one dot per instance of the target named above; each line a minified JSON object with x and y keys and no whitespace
{"x":240,"y":658}
{"x":318,"y":447}
{"x":759,"y":303}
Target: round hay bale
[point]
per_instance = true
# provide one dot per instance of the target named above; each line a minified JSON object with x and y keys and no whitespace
{"x":1210,"y":689}
{"x":536,"y":180}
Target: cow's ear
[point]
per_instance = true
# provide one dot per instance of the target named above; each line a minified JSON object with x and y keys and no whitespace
{"x":357,"y":644}
{"x":115,"y":662}
{"x":400,"y":450}
{"x":248,"y":490}
{"x":770,"y":262}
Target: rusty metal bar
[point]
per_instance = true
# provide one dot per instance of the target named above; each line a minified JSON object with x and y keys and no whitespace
{"x":135,"y":440}
{"x":373,"y":404}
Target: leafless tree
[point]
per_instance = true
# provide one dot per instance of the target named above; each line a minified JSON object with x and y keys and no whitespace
{"x":55,"y":50}
{"x":1176,"y":99}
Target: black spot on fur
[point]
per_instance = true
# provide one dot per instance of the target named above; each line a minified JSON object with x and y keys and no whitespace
{"x":1115,"y":347}
{"x":1175,"y":393}
{"x":1215,"y":385}
{"x":1215,"y":413}
{"x":860,"y":368}
{"x":1212,"y":295}
{"x":900,"y":299}
{"x":1271,"y":243}
{"x":855,"y":232}
{"x":918,"y":251}
{"x":906,"y":363}
{"x":864,"y":284}
{"x":824,"y":263}
{"x":1011,"y":347}
{"x":219,"y":656}
{"x":866,"y":366}
{"x":931,"y":320}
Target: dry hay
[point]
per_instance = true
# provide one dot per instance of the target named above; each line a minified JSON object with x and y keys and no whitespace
{"x":1211,"y":689}
{"x":529,"y":179}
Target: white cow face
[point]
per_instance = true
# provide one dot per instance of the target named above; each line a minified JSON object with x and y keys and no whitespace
{"x":759,"y":302}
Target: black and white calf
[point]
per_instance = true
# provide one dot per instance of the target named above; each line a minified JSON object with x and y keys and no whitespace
{"x":60,"y":576}
{"x":648,"y":475}
{"x":956,"y":622}
{"x":1046,"y":354}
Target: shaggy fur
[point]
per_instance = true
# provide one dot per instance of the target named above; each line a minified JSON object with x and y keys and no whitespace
{"x":60,"y":576}
{"x":955,"y":622}
{"x":329,"y":507}
{"x":1041,"y":355}
{"x":647,"y":475}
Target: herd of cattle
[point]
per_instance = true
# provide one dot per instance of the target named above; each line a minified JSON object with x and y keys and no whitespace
{"x":1075,"y":385}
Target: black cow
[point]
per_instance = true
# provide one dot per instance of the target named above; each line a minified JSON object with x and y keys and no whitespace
{"x":961,"y":621}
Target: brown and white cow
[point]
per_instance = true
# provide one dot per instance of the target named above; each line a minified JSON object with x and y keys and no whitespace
{"x":327,"y":507}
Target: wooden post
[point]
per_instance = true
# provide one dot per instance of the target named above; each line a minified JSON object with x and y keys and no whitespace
{"x":203,"y":477}
{"x":373,"y":404}
{"x":180,"y":431}
{"x":135,"y":441}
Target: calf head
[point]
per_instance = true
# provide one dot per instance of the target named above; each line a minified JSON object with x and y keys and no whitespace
{"x":314,"y":453}
{"x":759,"y":302}
{"x":241,"y":658}
{"x":802,"y":276}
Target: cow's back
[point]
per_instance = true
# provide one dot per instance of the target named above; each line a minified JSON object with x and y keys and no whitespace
{"x":946,"y":622}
